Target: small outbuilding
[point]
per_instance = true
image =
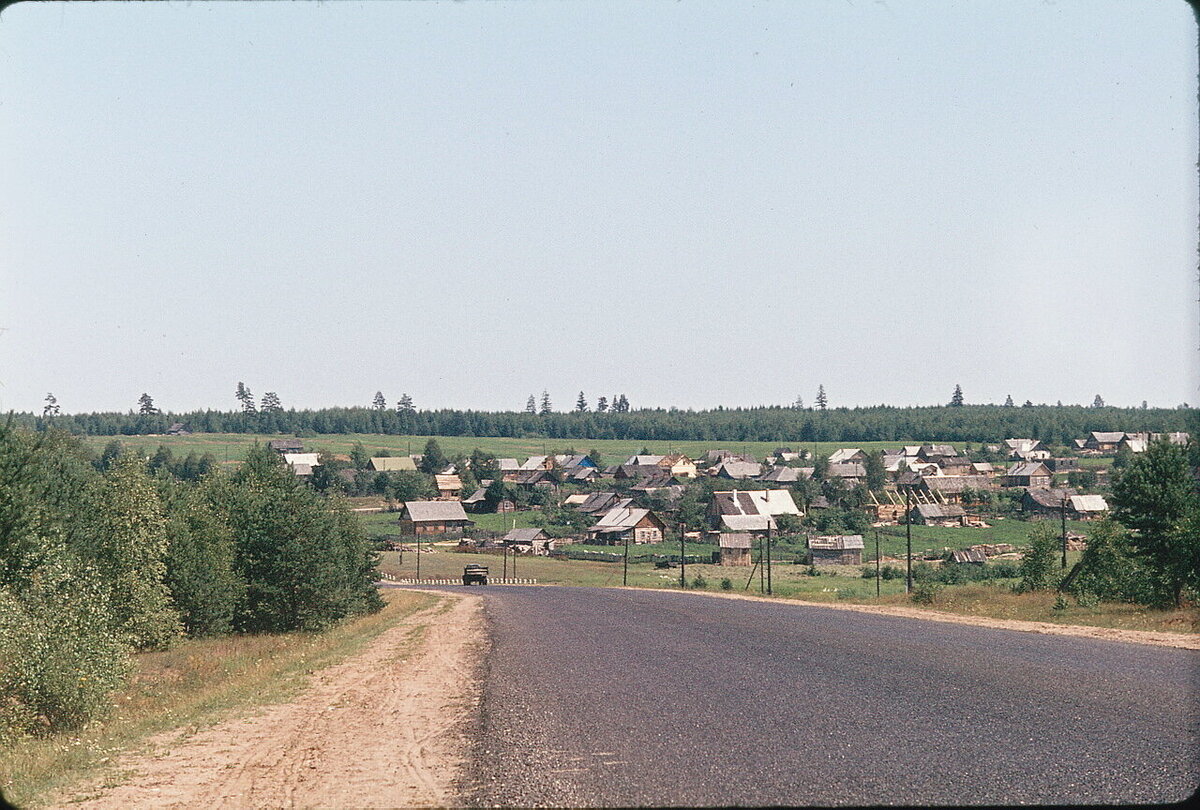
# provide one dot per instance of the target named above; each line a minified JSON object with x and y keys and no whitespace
{"x":838,"y":549}
{"x":734,"y":548}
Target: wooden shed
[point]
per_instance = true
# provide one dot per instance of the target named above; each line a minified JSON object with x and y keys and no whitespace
{"x":434,"y":517}
{"x":735,"y":548}
{"x":838,"y":549}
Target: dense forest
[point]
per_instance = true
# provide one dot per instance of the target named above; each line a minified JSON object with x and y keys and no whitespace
{"x":968,"y":423}
{"x":104,"y":556}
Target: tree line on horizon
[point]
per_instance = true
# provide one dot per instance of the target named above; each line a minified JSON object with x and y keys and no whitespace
{"x":1057,"y":424}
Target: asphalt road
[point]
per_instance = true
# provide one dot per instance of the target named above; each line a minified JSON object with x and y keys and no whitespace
{"x":601,"y":697}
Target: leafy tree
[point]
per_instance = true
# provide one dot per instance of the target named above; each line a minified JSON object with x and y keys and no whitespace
{"x":1040,"y":569}
{"x":602,"y":405}
{"x":50,"y":409}
{"x":581,"y":404}
{"x":1123,"y":458}
{"x":271,"y":403}
{"x":200,"y":574}
{"x":146,"y":405}
{"x":129,"y":551}
{"x":1156,"y":498}
{"x":484,"y":465}
{"x":379,"y":403}
{"x":822,"y":400}
{"x":546,"y":408}
{"x":408,"y":485}
{"x":433,"y":461}
{"x":956,"y":399}
{"x":1110,"y":568}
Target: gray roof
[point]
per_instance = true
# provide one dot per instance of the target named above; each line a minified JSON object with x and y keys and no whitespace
{"x":782,"y":475}
{"x":850,"y":469}
{"x":619,"y":518}
{"x":524,"y":535}
{"x":739,"y":469}
{"x":1049,"y":498}
{"x":935,"y":511}
{"x":422,"y":511}
{"x":837,"y":542}
{"x":748,"y":523}
{"x":1088,"y":503}
{"x":735,"y":540}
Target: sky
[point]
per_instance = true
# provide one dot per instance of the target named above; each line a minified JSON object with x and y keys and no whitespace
{"x":691,"y":203}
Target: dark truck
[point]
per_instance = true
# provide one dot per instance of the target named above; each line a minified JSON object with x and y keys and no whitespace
{"x":475,"y":574}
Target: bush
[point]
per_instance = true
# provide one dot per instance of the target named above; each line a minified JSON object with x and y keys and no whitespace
{"x":925,"y":593}
{"x":726,"y":584}
{"x":892,"y":572}
{"x":699,"y":582}
{"x":1040,"y":569}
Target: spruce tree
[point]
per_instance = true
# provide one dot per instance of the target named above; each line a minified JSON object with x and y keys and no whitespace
{"x":546,"y":407}
{"x":822,"y":400}
{"x":531,"y":404}
{"x":581,"y":403}
{"x":379,"y":403}
{"x":956,"y":399}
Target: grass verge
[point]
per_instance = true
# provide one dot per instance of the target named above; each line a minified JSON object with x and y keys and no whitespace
{"x":192,"y":685}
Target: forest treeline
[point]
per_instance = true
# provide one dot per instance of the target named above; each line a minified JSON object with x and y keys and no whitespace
{"x":967,"y":423}
{"x":102,"y":556}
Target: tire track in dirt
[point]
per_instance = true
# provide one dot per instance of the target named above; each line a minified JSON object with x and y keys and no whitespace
{"x":382,"y":729}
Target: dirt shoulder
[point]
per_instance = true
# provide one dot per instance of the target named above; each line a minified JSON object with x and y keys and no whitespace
{"x":385,"y":728}
{"x":1178,"y":640}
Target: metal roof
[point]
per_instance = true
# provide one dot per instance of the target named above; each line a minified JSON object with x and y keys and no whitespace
{"x":836,"y":542}
{"x":394,"y":464}
{"x":421,"y":511}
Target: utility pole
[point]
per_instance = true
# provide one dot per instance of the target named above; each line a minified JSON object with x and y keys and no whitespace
{"x":625,"y":572}
{"x":877,"y":574}
{"x":908,"y":537}
{"x":682,"y":561}
{"x":768,"y":555}
{"x":1063,"y":510}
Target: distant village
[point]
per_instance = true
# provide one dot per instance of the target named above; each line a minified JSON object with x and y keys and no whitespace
{"x":743,"y":499}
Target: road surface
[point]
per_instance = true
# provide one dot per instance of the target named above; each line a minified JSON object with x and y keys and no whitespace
{"x":625,"y":698}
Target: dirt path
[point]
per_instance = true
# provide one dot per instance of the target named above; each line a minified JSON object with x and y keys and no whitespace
{"x":381,"y":729}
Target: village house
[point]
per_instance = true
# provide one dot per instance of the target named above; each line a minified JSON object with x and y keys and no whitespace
{"x":1061,"y":465}
{"x":1086,"y":507}
{"x":1027,"y":474}
{"x":756,"y":525}
{"x":1027,"y":449}
{"x":766,"y":502}
{"x":1045,"y":501}
{"x":392,"y":464}
{"x":937,"y":514}
{"x":303,"y":459}
{"x":935,"y":452}
{"x":785,"y":475}
{"x":847,"y":455}
{"x":738,"y":470}
{"x":598,"y":503}
{"x":950,"y":488}
{"x":679,"y":465}
{"x":508,"y":468}
{"x":734,"y":549}
{"x":286,"y":445}
{"x":449,"y":487}
{"x":179,"y":429}
{"x":840,"y":549}
{"x":955,"y":465}
{"x":434,"y":517}
{"x":1103,"y":441}
{"x":852,"y":473}
{"x":529,"y":541}
{"x":627,"y":523}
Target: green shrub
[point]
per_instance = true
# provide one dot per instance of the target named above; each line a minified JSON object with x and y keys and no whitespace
{"x":699,"y":582}
{"x":1060,"y":603}
{"x":726,"y":584}
{"x":925,"y":593}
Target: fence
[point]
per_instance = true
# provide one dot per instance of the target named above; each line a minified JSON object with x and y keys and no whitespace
{"x":454,"y":581}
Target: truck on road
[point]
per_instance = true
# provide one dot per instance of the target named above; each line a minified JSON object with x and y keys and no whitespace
{"x":475,"y":574}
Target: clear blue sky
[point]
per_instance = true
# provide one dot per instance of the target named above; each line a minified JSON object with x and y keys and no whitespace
{"x":692,"y":203}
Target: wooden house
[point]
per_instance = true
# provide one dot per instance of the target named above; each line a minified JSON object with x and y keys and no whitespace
{"x":937,"y":514}
{"x":529,"y":541}
{"x":508,"y":467}
{"x":1099,"y":441}
{"x":737,"y":470}
{"x":434,"y":517}
{"x":841,"y":549}
{"x":679,"y":465}
{"x":1027,"y":449}
{"x":734,"y":549}
{"x":286,"y":445}
{"x":179,"y":429}
{"x":766,"y":502}
{"x":1045,"y":501}
{"x":1061,"y":465}
{"x":784,"y":475}
{"x":1027,"y":474}
{"x":449,"y":487}
{"x":598,"y":503}
{"x":847,"y":455}
{"x":1086,"y":507}
{"x":628,"y":523}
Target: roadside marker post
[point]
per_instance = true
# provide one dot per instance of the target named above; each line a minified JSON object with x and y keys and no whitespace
{"x":908,"y":536}
{"x":682,"y":562}
{"x":625,"y":569}
{"x":769,"y":519}
{"x":877,"y":563}
{"x":1063,"y":510}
